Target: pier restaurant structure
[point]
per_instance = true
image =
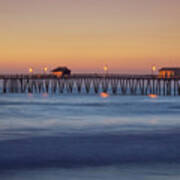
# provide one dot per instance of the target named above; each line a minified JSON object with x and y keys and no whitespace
{"x":61,"y":72}
{"x":169,"y":72}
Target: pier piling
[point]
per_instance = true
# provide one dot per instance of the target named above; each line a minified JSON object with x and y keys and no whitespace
{"x":91,"y":83}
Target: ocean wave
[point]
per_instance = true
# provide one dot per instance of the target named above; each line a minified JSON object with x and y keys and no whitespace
{"x":90,"y":150}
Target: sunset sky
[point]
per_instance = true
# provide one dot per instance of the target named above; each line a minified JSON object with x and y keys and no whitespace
{"x":127,"y":35}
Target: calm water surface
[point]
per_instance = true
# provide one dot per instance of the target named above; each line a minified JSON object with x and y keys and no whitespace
{"x":89,"y":137}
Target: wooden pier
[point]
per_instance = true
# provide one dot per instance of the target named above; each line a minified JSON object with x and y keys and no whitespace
{"x":116,"y":84}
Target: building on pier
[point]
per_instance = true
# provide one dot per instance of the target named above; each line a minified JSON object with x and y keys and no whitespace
{"x":169,"y":72}
{"x":61,"y":72}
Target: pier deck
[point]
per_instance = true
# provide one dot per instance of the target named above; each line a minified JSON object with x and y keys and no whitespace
{"x":117,"y":84}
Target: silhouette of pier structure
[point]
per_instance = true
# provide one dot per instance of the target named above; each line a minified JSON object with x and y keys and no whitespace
{"x":116,"y":84}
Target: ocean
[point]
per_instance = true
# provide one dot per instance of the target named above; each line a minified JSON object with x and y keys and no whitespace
{"x":84,"y":137}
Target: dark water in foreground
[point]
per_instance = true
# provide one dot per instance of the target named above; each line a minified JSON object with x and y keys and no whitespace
{"x":88,"y":137}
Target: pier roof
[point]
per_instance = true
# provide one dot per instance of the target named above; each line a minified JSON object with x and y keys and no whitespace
{"x":62,"y":69}
{"x":170,"y":69}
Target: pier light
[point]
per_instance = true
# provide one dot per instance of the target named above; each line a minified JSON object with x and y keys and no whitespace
{"x":30,"y":70}
{"x":105,"y":68}
{"x":45,"y":69}
{"x":154,"y":69}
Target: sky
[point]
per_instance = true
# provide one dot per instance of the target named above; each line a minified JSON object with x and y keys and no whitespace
{"x":129,"y":36}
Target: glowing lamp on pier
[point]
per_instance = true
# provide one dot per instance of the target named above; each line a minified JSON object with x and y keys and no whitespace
{"x":30,"y":70}
{"x":153,"y":69}
{"x":105,"y":68}
{"x":45,"y":69}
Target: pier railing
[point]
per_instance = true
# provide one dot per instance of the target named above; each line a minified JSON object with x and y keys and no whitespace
{"x":117,"y":84}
